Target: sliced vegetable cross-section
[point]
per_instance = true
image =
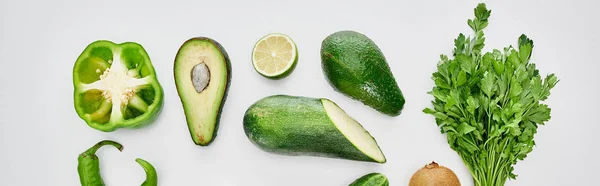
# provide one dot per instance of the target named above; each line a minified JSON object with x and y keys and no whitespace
{"x":202,"y":75}
{"x":115,"y":86}
{"x":306,"y":126}
{"x":275,"y":56}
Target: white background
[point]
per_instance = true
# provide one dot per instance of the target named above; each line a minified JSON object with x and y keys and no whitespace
{"x":41,"y":135}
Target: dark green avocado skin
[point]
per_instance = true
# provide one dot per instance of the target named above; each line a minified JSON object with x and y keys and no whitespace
{"x":354,"y":65}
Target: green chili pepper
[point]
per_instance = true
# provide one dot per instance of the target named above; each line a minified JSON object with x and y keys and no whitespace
{"x":151,"y":177}
{"x":89,"y":166}
{"x":115,"y":86}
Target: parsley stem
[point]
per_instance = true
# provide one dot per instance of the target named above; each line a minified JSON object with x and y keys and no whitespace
{"x":489,"y":104}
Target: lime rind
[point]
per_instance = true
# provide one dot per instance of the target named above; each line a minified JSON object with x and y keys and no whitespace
{"x":291,"y":64}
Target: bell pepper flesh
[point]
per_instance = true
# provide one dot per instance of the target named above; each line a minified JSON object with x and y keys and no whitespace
{"x":115,"y":86}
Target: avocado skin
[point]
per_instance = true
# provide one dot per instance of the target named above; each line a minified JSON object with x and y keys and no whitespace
{"x":371,"y":179}
{"x":227,"y":84}
{"x":354,"y":65}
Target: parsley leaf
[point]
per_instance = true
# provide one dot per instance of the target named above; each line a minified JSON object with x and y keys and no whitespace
{"x":489,"y":104}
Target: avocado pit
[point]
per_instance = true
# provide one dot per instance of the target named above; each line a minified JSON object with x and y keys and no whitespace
{"x":200,"y":76}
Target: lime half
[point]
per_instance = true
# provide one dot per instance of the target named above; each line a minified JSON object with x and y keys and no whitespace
{"x":274,"y":56}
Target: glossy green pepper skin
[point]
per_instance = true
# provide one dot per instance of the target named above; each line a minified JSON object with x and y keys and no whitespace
{"x":115,"y":86}
{"x":151,"y":176}
{"x":88,"y":166}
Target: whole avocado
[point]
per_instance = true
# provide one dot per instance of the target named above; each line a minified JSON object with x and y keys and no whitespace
{"x":355,"y":66}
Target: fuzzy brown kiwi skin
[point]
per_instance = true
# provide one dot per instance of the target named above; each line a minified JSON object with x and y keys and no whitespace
{"x":434,"y":174}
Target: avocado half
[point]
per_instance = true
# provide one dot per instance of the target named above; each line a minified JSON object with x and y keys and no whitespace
{"x":202,"y":75}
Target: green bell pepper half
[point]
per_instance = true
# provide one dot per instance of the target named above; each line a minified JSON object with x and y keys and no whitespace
{"x":115,"y":86}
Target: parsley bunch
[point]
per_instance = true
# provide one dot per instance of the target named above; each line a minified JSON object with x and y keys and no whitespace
{"x":489,"y":105}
